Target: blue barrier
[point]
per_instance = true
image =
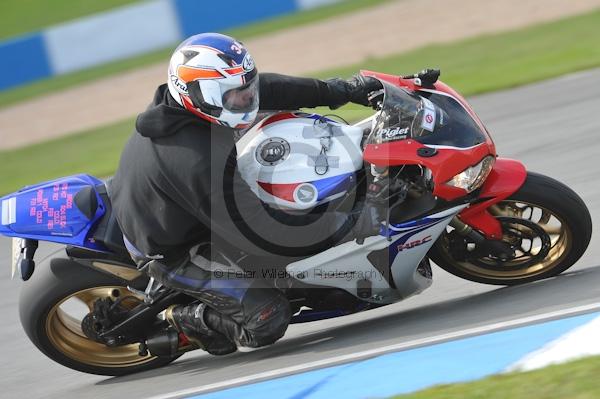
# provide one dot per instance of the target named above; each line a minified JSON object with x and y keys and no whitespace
{"x":206,"y":16}
{"x":23,"y":59}
{"x":126,"y":31}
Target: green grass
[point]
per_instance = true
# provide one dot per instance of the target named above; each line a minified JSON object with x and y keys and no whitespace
{"x":56,"y":83}
{"x":499,"y":61}
{"x":472,"y":66}
{"x":22,"y":16}
{"x":95,"y":152}
{"x":504,"y":60}
{"x":573,"y":380}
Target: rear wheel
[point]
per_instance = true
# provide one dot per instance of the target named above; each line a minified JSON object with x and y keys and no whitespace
{"x":546,"y":224}
{"x":52,"y":306}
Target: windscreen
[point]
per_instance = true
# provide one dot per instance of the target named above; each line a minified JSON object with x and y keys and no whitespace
{"x":429,"y":118}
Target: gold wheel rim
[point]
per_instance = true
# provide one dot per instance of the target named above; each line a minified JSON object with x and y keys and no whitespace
{"x":65,"y":333}
{"x":561,"y":239}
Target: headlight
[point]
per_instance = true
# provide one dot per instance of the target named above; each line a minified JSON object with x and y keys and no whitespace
{"x":473,"y":177}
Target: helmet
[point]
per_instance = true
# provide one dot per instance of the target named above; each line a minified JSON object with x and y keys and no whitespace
{"x":214,"y":77}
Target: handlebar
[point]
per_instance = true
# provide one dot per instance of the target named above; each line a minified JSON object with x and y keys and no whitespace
{"x":426,"y":77}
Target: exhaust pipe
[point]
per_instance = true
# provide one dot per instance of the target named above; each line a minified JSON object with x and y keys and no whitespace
{"x":163,"y":343}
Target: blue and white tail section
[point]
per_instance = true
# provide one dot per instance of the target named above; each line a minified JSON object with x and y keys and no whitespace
{"x":63,"y":211}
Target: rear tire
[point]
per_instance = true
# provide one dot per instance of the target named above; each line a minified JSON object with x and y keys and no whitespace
{"x":568,"y":245}
{"x":58,"y":335}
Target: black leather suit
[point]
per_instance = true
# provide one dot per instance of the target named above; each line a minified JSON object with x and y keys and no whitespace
{"x":177,"y":186}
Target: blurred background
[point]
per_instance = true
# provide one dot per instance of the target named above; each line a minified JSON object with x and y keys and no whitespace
{"x":75,"y":73}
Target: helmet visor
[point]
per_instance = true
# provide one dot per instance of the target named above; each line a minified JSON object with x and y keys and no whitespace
{"x":242,"y":99}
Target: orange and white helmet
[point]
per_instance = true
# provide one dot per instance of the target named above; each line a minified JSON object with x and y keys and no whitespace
{"x":214,"y":77}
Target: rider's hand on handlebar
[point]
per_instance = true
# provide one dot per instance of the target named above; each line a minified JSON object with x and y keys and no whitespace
{"x":356,"y":89}
{"x":361,"y":87}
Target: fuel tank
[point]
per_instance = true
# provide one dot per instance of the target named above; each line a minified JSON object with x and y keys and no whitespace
{"x":298,"y":160}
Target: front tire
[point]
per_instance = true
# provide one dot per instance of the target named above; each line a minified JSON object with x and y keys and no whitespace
{"x":541,"y":205}
{"x":47,"y":306}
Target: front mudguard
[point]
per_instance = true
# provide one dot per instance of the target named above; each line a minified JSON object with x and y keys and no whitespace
{"x":506,"y":177}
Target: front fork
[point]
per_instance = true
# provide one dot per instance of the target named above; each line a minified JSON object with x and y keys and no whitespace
{"x":498,"y":248}
{"x":506,"y":178}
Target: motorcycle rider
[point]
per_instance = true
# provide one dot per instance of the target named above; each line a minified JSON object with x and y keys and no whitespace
{"x":177,"y":186}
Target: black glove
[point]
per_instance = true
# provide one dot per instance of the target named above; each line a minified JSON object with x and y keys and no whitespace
{"x":356,"y":90}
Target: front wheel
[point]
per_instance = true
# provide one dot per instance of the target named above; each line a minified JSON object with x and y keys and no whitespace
{"x":52,"y":305}
{"x":546,"y":224}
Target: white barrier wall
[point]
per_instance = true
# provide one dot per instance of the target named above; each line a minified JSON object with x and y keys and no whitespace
{"x":118,"y":34}
{"x":128,"y":31}
{"x":307,"y":4}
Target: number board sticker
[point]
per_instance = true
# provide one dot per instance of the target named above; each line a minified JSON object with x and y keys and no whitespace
{"x":9,"y":211}
{"x":428,"y":122}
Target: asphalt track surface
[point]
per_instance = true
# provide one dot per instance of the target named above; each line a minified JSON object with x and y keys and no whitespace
{"x":554,"y":127}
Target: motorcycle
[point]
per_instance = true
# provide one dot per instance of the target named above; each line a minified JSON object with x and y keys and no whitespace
{"x":424,"y":154}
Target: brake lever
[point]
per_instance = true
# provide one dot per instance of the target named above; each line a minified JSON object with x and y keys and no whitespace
{"x":427,"y":77}
{"x":374,"y":100}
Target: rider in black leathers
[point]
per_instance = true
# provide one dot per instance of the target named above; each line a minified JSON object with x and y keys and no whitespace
{"x":177,"y":187}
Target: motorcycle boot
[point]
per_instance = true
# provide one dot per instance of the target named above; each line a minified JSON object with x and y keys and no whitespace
{"x":189,"y":320}
{"x":248,"y":312}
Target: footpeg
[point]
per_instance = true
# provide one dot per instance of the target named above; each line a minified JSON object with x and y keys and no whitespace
{"x":143,"y":349}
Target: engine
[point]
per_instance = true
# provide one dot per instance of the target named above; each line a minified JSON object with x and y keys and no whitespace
{"x":298,"y":160}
